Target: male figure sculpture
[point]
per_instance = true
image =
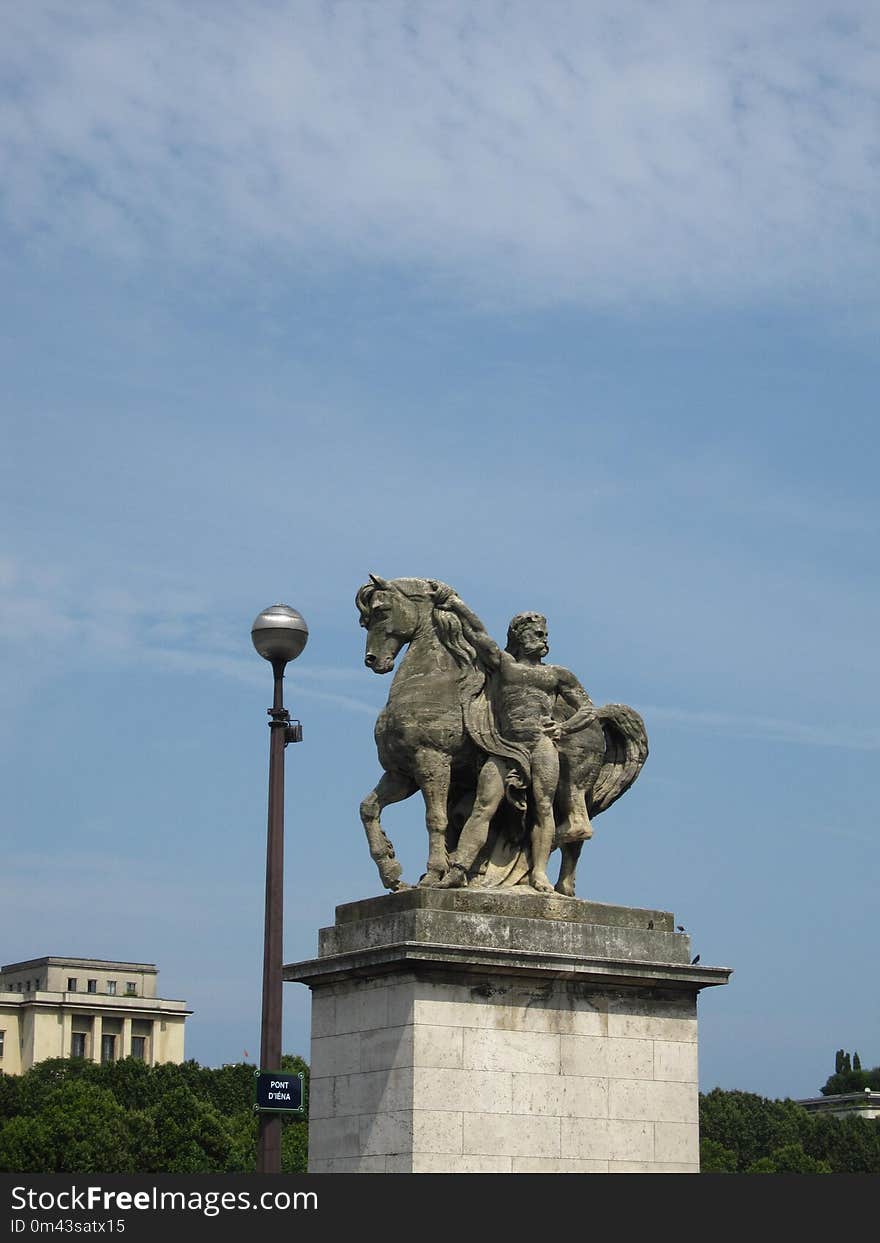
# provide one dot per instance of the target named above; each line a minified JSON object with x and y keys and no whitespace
{"x":525,"y":693}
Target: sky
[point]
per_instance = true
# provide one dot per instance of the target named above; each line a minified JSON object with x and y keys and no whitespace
{"x":574,"y":307}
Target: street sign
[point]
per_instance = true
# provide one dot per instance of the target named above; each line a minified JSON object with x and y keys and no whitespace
{"x":279,"y":1092}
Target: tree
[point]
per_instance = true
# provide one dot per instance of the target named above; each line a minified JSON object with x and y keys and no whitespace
{"x":71,"y":1115}
{"x":193,"y":1137}
{"x":790,"y":1159}
{"x":80,"y":1128}
{"x":716,"y":1159}
{"x":747,"y":1134}
{"x":9,"y":1095}
{"x":748,"y":1125}
{"x":849,"y":1076}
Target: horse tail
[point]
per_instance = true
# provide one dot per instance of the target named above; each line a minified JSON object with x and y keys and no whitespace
{"x":626,"y":749}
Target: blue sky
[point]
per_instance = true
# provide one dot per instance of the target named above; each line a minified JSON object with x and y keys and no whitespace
{"x":572,"y":306}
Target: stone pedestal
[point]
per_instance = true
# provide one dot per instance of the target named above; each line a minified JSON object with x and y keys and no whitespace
{"x":463,"y":1031}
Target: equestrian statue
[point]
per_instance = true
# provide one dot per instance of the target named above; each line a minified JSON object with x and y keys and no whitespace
{"x":512,"y":757}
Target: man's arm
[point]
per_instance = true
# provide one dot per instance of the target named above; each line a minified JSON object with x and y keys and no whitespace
{"x":474,"y":630}
{"x":570,"y":690}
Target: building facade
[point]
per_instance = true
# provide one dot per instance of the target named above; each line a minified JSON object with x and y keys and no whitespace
{"x":864,"y":1104}
{"x":86,"y":1007}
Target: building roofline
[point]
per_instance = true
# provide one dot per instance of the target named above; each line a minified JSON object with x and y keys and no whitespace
{"x":104,"y":963}
{"x":89,"y":1003}
{"x":865,"y":1097}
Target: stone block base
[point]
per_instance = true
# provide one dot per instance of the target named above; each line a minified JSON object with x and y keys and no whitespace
{"x":458,"y":1032}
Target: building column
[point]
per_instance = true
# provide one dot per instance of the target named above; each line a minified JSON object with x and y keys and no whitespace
{"x":126,"y":1038}
{"x":97,"y":1033}
{"x":66,"y":1032}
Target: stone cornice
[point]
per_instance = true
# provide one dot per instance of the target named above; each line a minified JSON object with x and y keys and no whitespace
{"x":376,"y":960}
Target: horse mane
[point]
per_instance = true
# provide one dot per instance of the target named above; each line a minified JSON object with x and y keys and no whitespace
{"x":447,"y":624}
{"x":451,"y":634}
{"x":362,"y":600}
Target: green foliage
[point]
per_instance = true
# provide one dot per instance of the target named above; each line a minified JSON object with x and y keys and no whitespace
{"x":850,"y":1145}
{"x":295,"y":1132}
{"x":294,"y":1146}
{"x":69,"y":1115}
{"x":9,"y":1095}
{"x":715,"y":1158}
{"x":849,"y":1077}
{"x":80,"y":1128}
{"x":743,"y":1133}
{"x":749,"y":1125}
{"x":789,"y":1159}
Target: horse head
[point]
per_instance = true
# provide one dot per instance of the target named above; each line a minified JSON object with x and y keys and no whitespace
{"x":391,"y":615}
{"x":394,"y":611}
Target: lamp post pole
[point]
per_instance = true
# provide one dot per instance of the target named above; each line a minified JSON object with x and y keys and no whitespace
{"x":279,"y":634}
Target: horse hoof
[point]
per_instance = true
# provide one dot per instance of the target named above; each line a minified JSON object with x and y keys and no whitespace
{"x":454,"y":878}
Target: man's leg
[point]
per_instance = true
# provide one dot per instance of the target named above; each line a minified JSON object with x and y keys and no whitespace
{"x":490,"y":792}
{"x":545,"y":777}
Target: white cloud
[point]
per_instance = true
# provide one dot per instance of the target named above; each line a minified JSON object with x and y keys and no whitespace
{"x":596,"y":152}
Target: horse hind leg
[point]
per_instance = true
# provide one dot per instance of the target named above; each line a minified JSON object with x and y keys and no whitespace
{"x":572,"y":819}
{"x":573,"y":828}
{"x":571,"y":852}
{"x":392,"y":787}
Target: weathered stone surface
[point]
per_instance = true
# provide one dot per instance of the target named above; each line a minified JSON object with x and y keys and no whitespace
{"x":607,"y":1139}
{"x":510,"y":754}
{"x":676,"y":1060}
{"x":441,"y":1087}
{"x":511,"y":1136}
{"x":506,"y":921}
{"x":507,"y":932}
{"x":386,"y":1048}
{"x":659,"y":1102}
{"x":453,"y":1163}
{"x":519,"y":903}
{"x":677,"y":1141}
{"x":486,"y":1065}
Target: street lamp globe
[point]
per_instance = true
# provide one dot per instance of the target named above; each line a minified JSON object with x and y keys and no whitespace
{"x":279,"y":633}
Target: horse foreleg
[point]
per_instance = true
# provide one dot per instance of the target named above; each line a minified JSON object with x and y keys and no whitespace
{"x":433,"y":775}
{"x":392,"y":788}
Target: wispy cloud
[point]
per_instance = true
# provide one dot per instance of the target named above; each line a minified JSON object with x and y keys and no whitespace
{"x":81,"y":624}
{"x":541,"y":152}
{"x":765,"y":728}
{"x":246,"y":671}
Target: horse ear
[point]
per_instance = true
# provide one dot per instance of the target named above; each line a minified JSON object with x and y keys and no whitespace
{"x":381,"y":583}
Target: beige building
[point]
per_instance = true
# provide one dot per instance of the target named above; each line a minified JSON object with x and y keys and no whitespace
{"x":85,"y":1007}
{"x":864,"y":1104}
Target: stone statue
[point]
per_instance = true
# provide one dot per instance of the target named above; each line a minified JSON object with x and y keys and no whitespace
{"x":511,"y":756}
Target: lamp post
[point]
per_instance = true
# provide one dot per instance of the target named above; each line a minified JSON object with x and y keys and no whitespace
{"x":279,"y":634}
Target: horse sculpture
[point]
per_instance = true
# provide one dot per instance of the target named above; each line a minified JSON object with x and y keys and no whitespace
{"x":427,"y":740}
